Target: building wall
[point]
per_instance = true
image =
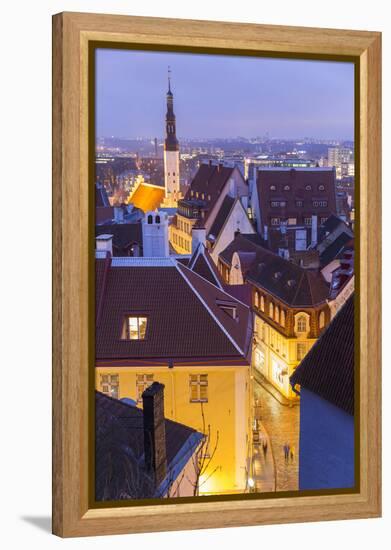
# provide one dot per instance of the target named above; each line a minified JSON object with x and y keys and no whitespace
{"x":237,"y":221}
{"x":276,"y":356}
{"x":171,"y":171}
{"x":227,"y":411}
{"x":180,"y":235}
{"x":326,"y":445}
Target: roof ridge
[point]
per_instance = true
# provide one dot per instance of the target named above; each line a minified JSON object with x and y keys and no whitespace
{"x":219,"y":324}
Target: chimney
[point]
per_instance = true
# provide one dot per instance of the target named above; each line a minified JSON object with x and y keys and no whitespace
{"x":118,"y":214}
{"x":155,"y":432}
{"x":314,"y":231}
{"x":104,"y":243}
{"x":198,"y":235}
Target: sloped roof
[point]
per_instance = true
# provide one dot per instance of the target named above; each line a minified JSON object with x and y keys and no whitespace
{"x":124,"y":234}
{"x":285,"y":280}
{"x":184,"y":319}
{"x":335,"y":248}
{"x":244,"y":242}
{"x":148,"y":197}
{"x":202,"y":264}
{"x":328,"y":368}
{"x":120,"y":444}
{"x":222,"y":216}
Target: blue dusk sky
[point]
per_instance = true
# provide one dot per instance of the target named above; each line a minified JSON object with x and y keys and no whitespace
{"x":222,"y":96}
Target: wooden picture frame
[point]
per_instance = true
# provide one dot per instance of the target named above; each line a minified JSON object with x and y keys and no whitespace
{"x":73,"y":295}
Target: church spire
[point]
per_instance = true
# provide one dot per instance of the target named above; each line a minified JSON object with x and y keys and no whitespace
{"x":171,"y":142}
{"x":169,"y":80}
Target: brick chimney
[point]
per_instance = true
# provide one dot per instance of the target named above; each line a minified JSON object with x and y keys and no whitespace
{"x":155,"y":431}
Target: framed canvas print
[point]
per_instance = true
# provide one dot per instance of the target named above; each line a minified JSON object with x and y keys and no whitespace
{"x":216,"y":230}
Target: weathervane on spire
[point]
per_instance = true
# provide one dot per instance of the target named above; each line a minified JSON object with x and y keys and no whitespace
{"x":169,"y":78}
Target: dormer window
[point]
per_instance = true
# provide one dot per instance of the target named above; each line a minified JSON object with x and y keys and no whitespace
{"x":308,"y":188}
{"x":287,"y":188}
{"x":134,"y":328}
{"x":272,"y":188}
{"x":321,"y":187}
{"x":302,"y":323}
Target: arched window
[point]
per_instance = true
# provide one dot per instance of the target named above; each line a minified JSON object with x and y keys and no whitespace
{"x":302,"y":324}
{"x":256,"y":298}
{"x":271,"y":310}
{"x":321,"y":319}
{"x":277,"y":314}
{"x":282,"y":318}
{"x":157,"y":219}
{"x":150,"y":219}
{"x":262,"y":303}
{"x":287,"y":188}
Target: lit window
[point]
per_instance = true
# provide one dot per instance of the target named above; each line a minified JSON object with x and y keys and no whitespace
{"x":275,"y":221}
{"x":198,"y":388}
{"x":282,"y":318}
{"x":256,"y":299}
{"x":301,"y":350}
{"x":321,"y":187}
{"x":109,"y":384}
{"x":277,"y":314}
{"x":272,"y":188}
{"x":143,"y":381}
{"x":299,"y":203}
{"x":262,"y":303}
{"x":302,"y":324}
{"x":135,"y":328}
{"x":307,"y":221}
{"x":271,"y":310}
{"x":321,"y":319}
{"x":308,"y":187}
{"x":287,"y":188}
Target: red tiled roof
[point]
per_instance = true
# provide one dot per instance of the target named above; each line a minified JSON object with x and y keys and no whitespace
{"x":184,"y":317}
{"x":201,"y":263}
{"x":296,"y":180}
{"x":222,"y":216}
{"x":286,"y":281}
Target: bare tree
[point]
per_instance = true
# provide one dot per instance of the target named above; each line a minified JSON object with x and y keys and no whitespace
{"x":204,"y":457}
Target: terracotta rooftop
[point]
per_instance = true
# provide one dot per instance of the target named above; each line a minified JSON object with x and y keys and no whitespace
{"x":202,"y":264}
{"x":185,"y":313}
{"x":290,"y":185}
{"x":290,"y":283}
{"x":221,"y":216}
{"x":328,"y":368}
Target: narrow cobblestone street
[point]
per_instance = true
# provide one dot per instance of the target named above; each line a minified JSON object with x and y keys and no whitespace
{"x":281,"y":423}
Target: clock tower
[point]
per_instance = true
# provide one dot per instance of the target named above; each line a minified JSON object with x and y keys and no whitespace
{"x":171,"y":151}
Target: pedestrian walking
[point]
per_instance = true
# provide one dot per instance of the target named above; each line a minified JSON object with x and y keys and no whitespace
{"x":292,"y":453}
{"x":264,"y":446}
{"x":286,"y":452}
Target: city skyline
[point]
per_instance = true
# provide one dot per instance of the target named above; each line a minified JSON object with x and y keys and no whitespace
{"x":318,"y":102}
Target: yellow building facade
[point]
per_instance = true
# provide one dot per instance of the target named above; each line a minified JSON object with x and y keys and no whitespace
{"x":180,"y":234}
{"x":219,"y":394}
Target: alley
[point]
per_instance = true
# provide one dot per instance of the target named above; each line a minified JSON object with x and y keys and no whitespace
{"x":281,"y":423}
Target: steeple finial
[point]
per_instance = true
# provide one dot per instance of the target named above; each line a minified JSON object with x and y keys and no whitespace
{"x":169,"y":79}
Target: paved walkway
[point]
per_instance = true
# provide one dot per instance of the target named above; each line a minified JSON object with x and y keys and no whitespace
{"x":263,"y":466}
{"x":281,"y":423}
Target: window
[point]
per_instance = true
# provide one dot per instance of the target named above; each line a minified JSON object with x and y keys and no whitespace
{"x":134,"y":328}
{"x":292,"y":221}
{"x":275,"y":221}
{"x":143,"y":381}
{"x":109,"y":384}
{"x":307,"y":221}
{"x":299,"y":203}
{"x":277,"y":314}
{"x":302,"y":324}
{"x":321,"y":319}
{"x":301,"y":350}
{"x":308,"y":187}
{"x":323,"y":220}
{"x":150,"y":219}
{"x":321,"y":187}
{"x":275,"y":204}
{"x":271,"y":310}
{"x":198,"y":388}
{"x":287,"y":188}
{"x":262,"y":303}
{"x":315,"y":203}
{"x":282,"y":318}
{"x":272,"y":188}
{"x":256,"y":299}
{"x":323,"y":203}
{"x":157,"y":219}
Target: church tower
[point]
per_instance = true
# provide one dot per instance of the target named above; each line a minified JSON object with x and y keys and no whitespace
{"x":171,"y":151}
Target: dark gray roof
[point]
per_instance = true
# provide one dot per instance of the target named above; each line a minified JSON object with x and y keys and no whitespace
{"x":328,"y":368}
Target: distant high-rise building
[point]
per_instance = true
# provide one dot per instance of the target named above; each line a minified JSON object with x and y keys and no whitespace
{"x":171,"y":151}
{"x":342,"y":159}
{"x":156,"y":149}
